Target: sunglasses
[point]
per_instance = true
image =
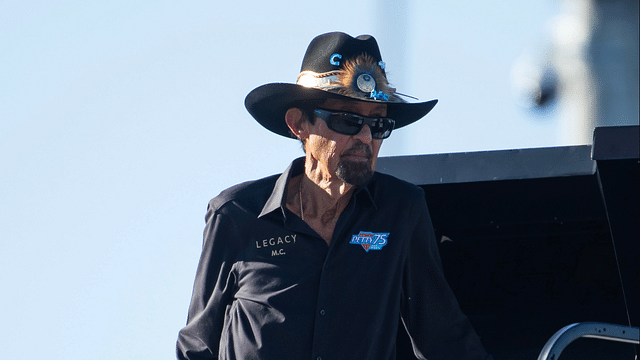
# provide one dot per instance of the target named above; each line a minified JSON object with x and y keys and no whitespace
{"x":347,"y":123}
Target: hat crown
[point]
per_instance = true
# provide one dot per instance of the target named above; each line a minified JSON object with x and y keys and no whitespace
{"x":321,"y":53}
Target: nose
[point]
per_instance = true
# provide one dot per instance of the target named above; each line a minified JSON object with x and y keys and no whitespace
{"x":364,"y":135}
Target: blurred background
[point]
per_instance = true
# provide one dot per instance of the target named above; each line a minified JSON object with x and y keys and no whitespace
{"x":119,"y":120}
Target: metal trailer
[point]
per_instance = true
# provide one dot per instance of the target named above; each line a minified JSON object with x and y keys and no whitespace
{"x":537,"y":242}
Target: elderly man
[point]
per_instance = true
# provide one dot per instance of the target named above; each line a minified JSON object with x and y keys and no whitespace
{"x":329,"y":258}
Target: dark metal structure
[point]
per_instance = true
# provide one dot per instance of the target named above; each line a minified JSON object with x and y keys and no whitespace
{"x":533,"y":240}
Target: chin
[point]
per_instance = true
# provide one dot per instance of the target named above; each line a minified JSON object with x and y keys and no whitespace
{"x":355,"y":173}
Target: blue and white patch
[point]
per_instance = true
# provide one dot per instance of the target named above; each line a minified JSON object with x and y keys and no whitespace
{"x":369,"y":240}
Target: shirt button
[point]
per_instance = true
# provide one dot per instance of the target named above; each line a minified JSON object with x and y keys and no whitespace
{"x":321,"y":313}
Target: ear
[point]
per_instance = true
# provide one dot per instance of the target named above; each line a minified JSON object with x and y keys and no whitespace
{"x":294,"y":121}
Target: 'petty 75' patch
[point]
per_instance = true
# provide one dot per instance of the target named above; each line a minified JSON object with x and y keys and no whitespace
{"x":369,"y":240}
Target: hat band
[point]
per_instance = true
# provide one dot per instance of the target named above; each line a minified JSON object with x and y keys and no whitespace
{"x":360,"y":78}
{"x":330,"y":81}
{"x":324,"y":81}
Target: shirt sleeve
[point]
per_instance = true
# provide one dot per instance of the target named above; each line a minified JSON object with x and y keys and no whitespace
{"x":212,"y":291}
{"x":430,"y":312}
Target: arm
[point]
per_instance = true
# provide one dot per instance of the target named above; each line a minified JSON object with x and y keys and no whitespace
{"x":212,"y":292}
{"x":437,"y":327}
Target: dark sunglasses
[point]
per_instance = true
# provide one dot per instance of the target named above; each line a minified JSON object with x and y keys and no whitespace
{"x":347,"y":123}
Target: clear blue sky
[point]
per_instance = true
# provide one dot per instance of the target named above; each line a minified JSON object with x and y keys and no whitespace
{"x":119,"y":120}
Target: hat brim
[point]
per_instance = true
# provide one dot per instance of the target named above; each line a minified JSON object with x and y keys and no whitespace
{"x":269,"y":103}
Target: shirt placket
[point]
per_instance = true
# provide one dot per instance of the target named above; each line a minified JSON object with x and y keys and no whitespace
{"x":323,"y":348}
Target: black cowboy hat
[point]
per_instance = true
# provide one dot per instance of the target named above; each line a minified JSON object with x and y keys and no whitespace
{"x":335,"y":66}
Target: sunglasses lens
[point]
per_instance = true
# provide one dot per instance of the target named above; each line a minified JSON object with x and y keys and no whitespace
{"x":381,"y":128}
{"x":346,"y":124}
{"x":351,"y":124}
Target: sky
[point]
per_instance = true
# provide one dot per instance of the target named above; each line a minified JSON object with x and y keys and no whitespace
{"x":119,"y":120}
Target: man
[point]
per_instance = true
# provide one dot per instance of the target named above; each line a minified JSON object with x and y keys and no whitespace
{"x":327,"y":259}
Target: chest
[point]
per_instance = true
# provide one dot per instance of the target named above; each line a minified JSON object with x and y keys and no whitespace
{"x":280,"y":258}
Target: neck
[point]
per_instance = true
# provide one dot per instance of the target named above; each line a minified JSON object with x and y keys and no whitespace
{"x":318,"y":201}
{"x":322,"y":200}
{"x":324,"y":187}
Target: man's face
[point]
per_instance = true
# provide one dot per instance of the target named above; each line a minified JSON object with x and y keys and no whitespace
{"x":350,"y":158}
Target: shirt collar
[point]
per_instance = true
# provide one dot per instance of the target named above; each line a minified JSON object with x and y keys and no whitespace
{"x":277,"y":200}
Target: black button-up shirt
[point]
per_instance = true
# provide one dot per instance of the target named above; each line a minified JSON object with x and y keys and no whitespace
{"x":269,"y":287}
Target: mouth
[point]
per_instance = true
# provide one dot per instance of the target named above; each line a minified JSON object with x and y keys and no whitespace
{"x":360,"y":152}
